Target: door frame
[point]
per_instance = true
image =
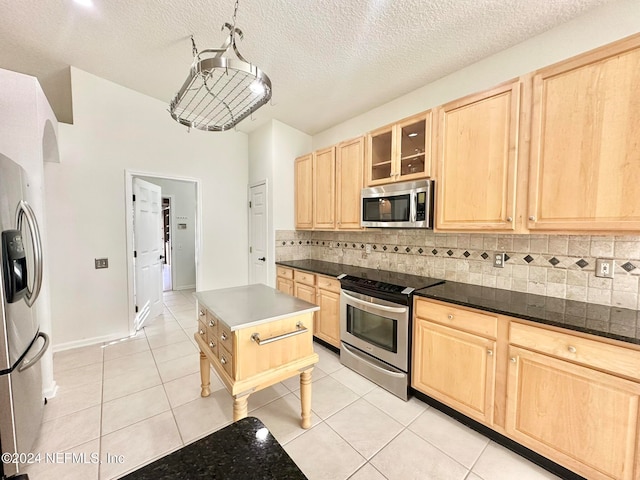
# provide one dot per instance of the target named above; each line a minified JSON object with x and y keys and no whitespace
{"x":128,"y":208}
{"x":268,"y":233}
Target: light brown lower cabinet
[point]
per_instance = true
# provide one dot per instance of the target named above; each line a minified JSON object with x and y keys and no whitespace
{"x":317,"y":289}
{"x":577,"y":416}
{"x":573,"y":398}
{"x":328,"y":318}
{"x":456,"y":368}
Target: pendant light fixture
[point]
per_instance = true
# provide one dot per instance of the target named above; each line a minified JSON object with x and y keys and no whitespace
{"x":220,"y":91}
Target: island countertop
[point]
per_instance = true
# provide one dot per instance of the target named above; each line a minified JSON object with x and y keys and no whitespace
{"x":250,"y":305}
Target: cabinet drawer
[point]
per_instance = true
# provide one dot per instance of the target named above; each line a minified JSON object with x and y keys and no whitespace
{"x":212,"y":339}
{"x":212,"y":320}
{"x":226,"y":359}
{"x":592,"y":353}
{"x":328,"y":283}
{"x":224,"y":336}
{"x":304,"y":277}
{"x":474,"y":322}
{"x":284,"y":272}
{"x":202,"y":331}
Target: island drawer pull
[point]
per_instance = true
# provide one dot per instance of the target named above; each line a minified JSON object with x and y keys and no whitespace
{"x":300,"y":329}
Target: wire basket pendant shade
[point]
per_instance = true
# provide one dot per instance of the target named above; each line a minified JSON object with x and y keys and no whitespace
{"x":220,"y":92}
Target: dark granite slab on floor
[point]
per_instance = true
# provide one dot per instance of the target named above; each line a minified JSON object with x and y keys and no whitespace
{"x":238,"y":451}
{"x":602,"y":320}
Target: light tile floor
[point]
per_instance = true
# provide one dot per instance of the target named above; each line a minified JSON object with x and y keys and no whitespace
{"x":130,"y":402}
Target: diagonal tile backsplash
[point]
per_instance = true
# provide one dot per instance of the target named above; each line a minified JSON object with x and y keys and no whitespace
{"x":554,"y":265}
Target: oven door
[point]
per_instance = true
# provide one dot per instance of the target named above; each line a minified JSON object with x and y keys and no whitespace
{"x":375,"y":326}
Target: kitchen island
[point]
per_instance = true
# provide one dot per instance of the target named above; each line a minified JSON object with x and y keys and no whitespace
{"x":255,"y":336}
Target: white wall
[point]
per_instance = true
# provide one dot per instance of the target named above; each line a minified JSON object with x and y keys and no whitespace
{"x":183,"y":242}
{"x":598,"y":27}
{"x":289,"y":143}
{"x":116,"y":129}
{"x":28,"y":136}
{"x":272,"y":150}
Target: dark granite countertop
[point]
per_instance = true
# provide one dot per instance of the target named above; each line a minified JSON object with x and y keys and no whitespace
{"x":601,"y":320}
{"x":244,"y":449}
{"x":334,"y":269}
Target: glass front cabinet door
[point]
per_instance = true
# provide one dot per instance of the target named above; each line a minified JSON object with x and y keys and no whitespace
{"x":400,"y":152}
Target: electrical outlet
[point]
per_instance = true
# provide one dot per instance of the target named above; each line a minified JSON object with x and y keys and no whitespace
{"x":498,"y":259}
{"x":604,"y":267}
{"x":367,"y":248}
{"x":102,"y":263}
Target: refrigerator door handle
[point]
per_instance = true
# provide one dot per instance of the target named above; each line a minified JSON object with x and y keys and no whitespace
{"x":26,"y":363}
{"x":25,"y":211}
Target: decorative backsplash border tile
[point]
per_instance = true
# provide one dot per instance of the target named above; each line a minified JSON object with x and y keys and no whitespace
{"x":560,"y":266}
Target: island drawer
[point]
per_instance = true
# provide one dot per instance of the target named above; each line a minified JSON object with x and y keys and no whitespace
{"x":284,"y":272}
{"x":473,"y":322}
{"x":593,"y":353}
{"x":304,"y":277}
{"x":202,"y":331}
{"x":328,"y":283}
{"x":212,"y":339}
{"x":226,"y":360}
{"x":225,"y":337}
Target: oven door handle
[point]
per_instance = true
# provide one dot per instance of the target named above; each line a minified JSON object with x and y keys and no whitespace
{"x":375,"y":305}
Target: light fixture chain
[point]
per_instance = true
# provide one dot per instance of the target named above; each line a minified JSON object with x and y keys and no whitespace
{"x":233,"y":30}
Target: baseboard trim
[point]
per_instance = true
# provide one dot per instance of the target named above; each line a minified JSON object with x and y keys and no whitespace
{"x":60,"y":347}
{"x":506,"y":442}
{"x":184,"y":287}
{"x":51,"y":391}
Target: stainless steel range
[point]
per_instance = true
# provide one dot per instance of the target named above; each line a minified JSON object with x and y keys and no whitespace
{"x":375,"y":325}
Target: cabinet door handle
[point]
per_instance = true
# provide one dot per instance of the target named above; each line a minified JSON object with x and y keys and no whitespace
{"x":513,"y":360}
{"x":201,"y":332}
{"x":223,"y":337}
{"x":571,"y":349}
{"x":212,"y":345}
{"x":532,"y":218}
{"x":202,"y":313}
{"x":490,"y":353}
{"x":223,"y":360}
{"x":509,"y":219}
{"x":212,"y":323}
{"x":450,"y":317}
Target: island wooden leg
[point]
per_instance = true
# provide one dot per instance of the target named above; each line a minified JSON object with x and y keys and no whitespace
{"x":305,"y":398}
{"x":205,"y":375}
{"x":240,"y":406}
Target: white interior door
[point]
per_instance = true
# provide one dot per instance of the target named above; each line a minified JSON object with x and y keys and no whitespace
{"x":148,"y":240}
{"x":258,"y":269}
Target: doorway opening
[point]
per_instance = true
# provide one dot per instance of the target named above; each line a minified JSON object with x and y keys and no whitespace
{"x":167,"y":281}
{"x":172,"y":233}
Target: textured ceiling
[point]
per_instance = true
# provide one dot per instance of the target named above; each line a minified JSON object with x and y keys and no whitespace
{"x":328,"y":60}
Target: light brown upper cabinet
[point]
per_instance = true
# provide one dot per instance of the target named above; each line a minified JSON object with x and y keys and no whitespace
{"x":477,"y":156}
{"x":585,"y":151}
{"x":349,"y":183}
{"x":401,"y":151}
{"x":324,"y":188}
{"x":304,"y":192}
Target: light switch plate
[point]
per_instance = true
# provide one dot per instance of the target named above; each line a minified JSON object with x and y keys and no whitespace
{"x":498,"y":259}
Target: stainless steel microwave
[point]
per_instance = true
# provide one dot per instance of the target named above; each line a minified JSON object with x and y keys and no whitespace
{"x":398,"y":205}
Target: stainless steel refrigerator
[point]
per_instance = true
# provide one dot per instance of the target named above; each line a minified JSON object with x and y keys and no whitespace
{"x":21,"y":341}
